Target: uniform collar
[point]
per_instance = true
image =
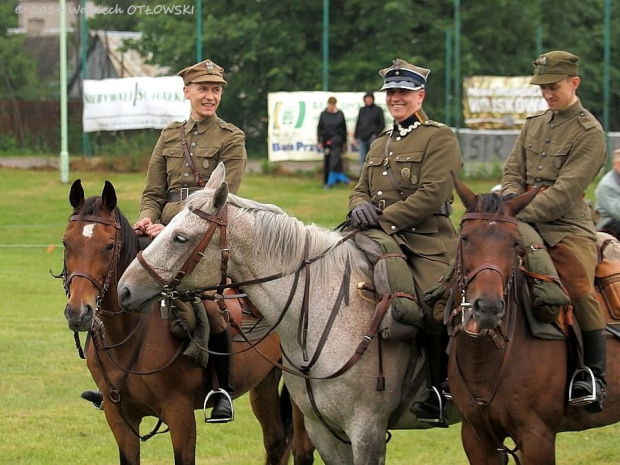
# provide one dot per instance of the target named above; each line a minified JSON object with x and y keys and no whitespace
{"x":559,"y":117}
{"x":406,"y":126}
{"x":202,"y":125}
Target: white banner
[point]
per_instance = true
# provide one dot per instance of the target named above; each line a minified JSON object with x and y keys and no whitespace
{"x":500,"y":102}
{"x":294,"y":117}
{"x":133,"y":103}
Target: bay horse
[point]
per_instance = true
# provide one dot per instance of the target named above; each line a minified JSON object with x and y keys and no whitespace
{"x":349,"y":384}
{"x":133,"y":358}
{"x":504,"y":381}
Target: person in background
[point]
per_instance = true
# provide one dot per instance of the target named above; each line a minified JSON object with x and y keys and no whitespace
{"x":332,"y":139}
{"x":608,"y":199}
{"x":402,"y":203}
{"x":561,"y":150}
{"x":370,"y":123}
{"x":181,"y":163}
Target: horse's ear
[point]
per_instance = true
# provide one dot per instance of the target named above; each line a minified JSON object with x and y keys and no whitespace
{"x":217,"y":177}
{"x":465,"y":194}
{"x":515,"y":205}
{"x":108,"y":197}
{"x":76,"y":195}
{"x":220,"y":196}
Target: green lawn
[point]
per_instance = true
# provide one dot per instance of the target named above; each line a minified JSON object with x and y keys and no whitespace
{"x":42,"y":418}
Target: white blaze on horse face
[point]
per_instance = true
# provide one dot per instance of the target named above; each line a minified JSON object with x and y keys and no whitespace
{"x":88,"y":230}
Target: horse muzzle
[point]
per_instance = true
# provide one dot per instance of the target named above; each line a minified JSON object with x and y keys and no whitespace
{"x":485,"y":314}
{"x":79,"y":317}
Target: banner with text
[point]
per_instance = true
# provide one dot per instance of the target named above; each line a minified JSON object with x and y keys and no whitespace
{"x":498,"y":102}
{"x":133,"y":103}
{"x":294,"y":117}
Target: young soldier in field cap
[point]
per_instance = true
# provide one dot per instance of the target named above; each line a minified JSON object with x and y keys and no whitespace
{"x":182,"y":161}
{"x":402,"y":203}
{"x":561,"y":150}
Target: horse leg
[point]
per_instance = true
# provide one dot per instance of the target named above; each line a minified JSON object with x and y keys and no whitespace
{"x":537,"y":446}
{"x":265,"y":402}
{"x":368,"y":439}
{"x":179,"y":416}
{"x":331,"y":449}
{"x":303,"y":449}
{"x":480,"y":447}
{"x":127,"y":442}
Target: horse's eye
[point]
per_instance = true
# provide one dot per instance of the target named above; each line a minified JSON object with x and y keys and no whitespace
{"x":516,"y":243}
{"x":465,"y":239}
{"x":180,"y":239}
{"x":109,"y":248}
{"x":64,"y":244}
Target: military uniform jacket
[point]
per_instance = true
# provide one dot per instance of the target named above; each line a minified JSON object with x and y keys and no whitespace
{"x":420,"y":185}
{"x":561,"y":151}
{"x":210,"y":141}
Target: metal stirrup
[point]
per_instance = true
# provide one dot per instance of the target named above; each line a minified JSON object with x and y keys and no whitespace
{"x":442,"y":418}
{"x":218,"y":420}
{"x":584,"y":400}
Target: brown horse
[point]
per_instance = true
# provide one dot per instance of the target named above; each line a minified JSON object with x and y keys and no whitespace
{"x":136,"y":362}
{"x":505,"y":382}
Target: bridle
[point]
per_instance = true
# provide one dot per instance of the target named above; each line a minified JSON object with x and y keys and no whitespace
{"x":502,"y":336}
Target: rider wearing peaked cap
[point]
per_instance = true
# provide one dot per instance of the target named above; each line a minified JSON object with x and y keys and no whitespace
{"x":402,"y":204}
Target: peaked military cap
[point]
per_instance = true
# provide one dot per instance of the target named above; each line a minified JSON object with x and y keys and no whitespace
{"x":554,"y":66}
{"x":205,"y":71}
{"x":403,"y":75}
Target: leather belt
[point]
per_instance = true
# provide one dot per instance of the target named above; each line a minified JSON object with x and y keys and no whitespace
{"x":177,"y":195}
{"x":444,"y":210}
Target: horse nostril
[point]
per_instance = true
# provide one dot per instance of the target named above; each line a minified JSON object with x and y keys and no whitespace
{"x":123,"y":295}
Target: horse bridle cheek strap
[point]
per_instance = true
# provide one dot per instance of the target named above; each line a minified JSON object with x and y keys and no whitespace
{"x":219,"y":220}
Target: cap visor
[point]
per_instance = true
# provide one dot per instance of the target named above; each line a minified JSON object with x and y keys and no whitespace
{"x":401,"y":85}
{"x":547,"y":78}
{"x":209,"y":78}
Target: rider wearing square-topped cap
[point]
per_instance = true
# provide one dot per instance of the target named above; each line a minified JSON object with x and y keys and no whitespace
{"x":401,"y":203}
{"x":561,"y":150}
{"x":181,"y":163}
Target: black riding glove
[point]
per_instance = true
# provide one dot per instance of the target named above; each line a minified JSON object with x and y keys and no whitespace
{"x":508,"y":197}
{"x":365,"y":215}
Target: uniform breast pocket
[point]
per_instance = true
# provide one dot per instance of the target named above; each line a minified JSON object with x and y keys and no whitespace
{"x":407,"y":167}
{"x":559,"y":154}
{"x":206,"y":157}
{"x":174,"y":159}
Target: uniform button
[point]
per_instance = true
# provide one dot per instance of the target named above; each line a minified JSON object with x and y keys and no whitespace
{"x":552,"y":125}
{"x":537,"y":179}
{"x":193,"y":144}
{"x":543,"y":154}
{"x":195,"y":133}
{"x":547,"y":140}
{"x":185,"y":175}
{"x":393,"y":228}
{"x":529,"y":146}
{"x":380,"y":193}
{"x":384,"y":173}
{"x":398,"y":138}
{"x":186,"y":164}
{"x":391,"y":153}
{"x":191,"y":154}
{"x":539,"y":167}
{"x":413,"y":229}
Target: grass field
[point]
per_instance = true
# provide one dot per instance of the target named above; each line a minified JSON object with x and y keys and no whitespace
{"x":42,"y":418}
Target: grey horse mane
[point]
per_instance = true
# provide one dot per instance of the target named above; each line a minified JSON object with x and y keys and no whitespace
{"x":282,"y":237}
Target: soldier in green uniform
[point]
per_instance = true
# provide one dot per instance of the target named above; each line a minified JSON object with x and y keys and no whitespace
{"x":562,"y":149}
{"x":182,"y":161}
{"x":402,"y":202}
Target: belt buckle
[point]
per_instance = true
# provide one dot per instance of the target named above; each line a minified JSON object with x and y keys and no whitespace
{"x":184,"y":193}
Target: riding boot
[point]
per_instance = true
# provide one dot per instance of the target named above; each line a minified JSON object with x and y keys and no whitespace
{"x":548,"y":296}
{"x":595,"y":355}
{"x":432,"y":408}
{"x":96,"y":397}
{"x":222,"y":402}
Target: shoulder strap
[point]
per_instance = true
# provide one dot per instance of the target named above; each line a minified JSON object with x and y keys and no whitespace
{"x":199,"y":180}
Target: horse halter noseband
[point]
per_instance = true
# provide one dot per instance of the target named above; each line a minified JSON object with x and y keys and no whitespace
{"x":219,"y":220}
{"x":102,"y":288}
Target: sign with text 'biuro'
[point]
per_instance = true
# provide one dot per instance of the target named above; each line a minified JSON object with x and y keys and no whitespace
{"x":294,"y":117}
{"x":499,"y":102}
{"x":133,"y":103}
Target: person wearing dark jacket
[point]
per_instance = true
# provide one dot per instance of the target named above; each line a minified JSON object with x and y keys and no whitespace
{"x":332,"y":136}
{"x":370,"y":123}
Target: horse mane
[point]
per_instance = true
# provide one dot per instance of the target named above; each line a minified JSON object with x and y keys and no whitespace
{"x":488,"y":203}
{"x":283,"y":239}
{"x":130,"y":243}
